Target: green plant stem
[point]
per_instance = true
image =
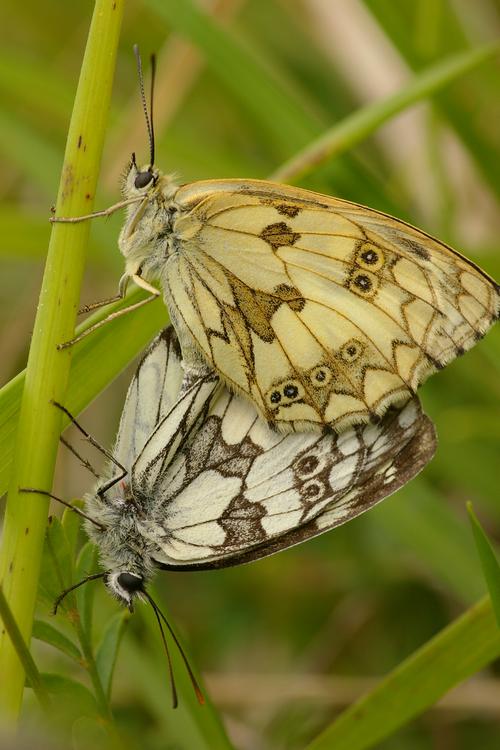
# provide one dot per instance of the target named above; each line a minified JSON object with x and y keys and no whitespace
{"x":457,"y":652}
{"x":353,"y":129}
{"x":48,"y":369}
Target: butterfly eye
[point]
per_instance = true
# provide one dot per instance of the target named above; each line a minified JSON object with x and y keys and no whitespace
{"x":143,"y":179}
{"x":129,"y":582}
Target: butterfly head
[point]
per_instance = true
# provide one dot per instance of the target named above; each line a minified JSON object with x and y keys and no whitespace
{"x":125,"y":586}
{"x":139,"y":181}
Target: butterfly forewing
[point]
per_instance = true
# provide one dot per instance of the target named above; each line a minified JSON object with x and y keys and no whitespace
{"x":171,"y":432}
{"x":151,"y":395}
{"x":323,"y":312}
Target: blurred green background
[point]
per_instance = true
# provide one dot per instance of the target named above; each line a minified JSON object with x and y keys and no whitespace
{"x":284,"y":643}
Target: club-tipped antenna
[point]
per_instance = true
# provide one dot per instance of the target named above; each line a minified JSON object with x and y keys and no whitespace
{"x":194,"y":682}
{"x":67,"y":591}
{"x":147,"y":115}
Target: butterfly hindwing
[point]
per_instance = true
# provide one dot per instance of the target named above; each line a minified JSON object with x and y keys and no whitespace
{"x":319,"y":310}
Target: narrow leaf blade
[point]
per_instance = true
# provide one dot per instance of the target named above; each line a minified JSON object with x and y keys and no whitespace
{"x":489,"y":562}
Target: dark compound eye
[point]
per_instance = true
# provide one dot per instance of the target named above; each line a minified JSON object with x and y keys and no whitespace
{"x":290,"y":391}
{"x":275,"y":397}
{"x":130,"y":582}
{"x":143,"y":179}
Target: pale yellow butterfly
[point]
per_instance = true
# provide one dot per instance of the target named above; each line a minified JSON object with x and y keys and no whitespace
{"x":320,"y":311}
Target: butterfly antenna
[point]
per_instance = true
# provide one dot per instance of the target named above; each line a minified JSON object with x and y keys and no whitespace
{"x":66,"y":504}
{"x":148,"y":115}
{"x":61,"y":596}
{"x":151,"y":118}
{"x":194,"y":682}
{"x":175,"y":701}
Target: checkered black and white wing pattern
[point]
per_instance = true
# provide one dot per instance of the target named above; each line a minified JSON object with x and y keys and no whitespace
{"x":153,"y":391}
{"x":236,"y":490}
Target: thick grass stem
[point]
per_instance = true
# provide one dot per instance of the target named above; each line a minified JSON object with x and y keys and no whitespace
{"x":48,"y":369}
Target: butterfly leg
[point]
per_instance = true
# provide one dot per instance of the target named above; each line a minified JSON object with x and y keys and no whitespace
{"x":101,"y":303}
{"x":95,"y":214}
{"x":91,"y":440}
{"x":76,"y":510}
{"x":154,"y":293}
{"x":107,"y":485}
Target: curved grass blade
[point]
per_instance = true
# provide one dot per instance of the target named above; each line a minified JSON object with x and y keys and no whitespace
{"x":457,"y":652}
{"x":29,"y":666}
{"x":489,"y":562}
{"x":366,"y":120}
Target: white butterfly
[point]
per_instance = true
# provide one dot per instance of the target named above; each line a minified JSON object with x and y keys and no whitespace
{"x":209,"y":484}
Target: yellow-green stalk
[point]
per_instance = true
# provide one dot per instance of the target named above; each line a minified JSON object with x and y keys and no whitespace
{"x":48,"y":369}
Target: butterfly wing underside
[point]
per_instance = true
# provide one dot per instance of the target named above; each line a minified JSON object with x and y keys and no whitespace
{"x":321,"y":311}
{"x":237,"y":490}
{"x":152,"y":393}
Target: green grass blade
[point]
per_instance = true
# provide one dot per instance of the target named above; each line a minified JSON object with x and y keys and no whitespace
{"x":457,"y":652}
{"x":22,"y":651}
{"x":107,"y":649}
{"x":399,"y":21}
{"x":420,"y":522}
{"x":48,"y":369}
{"x":44,"y":631}
{"x":253,"y":84}
{"x":363,"y":122}
{"x":489,"y":562}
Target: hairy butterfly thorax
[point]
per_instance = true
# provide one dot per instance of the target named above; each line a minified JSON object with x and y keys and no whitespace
{"x":148,"y":237}
{"x":120,"y":538}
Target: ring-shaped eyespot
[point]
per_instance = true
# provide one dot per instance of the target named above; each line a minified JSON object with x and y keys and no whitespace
{"x":284,"y":393}
{"x":309,"y":464}
{"x":312,"y":491}
{"x":143,"y":179}
{"x":351,"y":351}
{"x":321,"y":376}
{"x":370,"y":257}
{"x":364,"y":283}
{"x":291,"y":390}
{"x":274,"y":398}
